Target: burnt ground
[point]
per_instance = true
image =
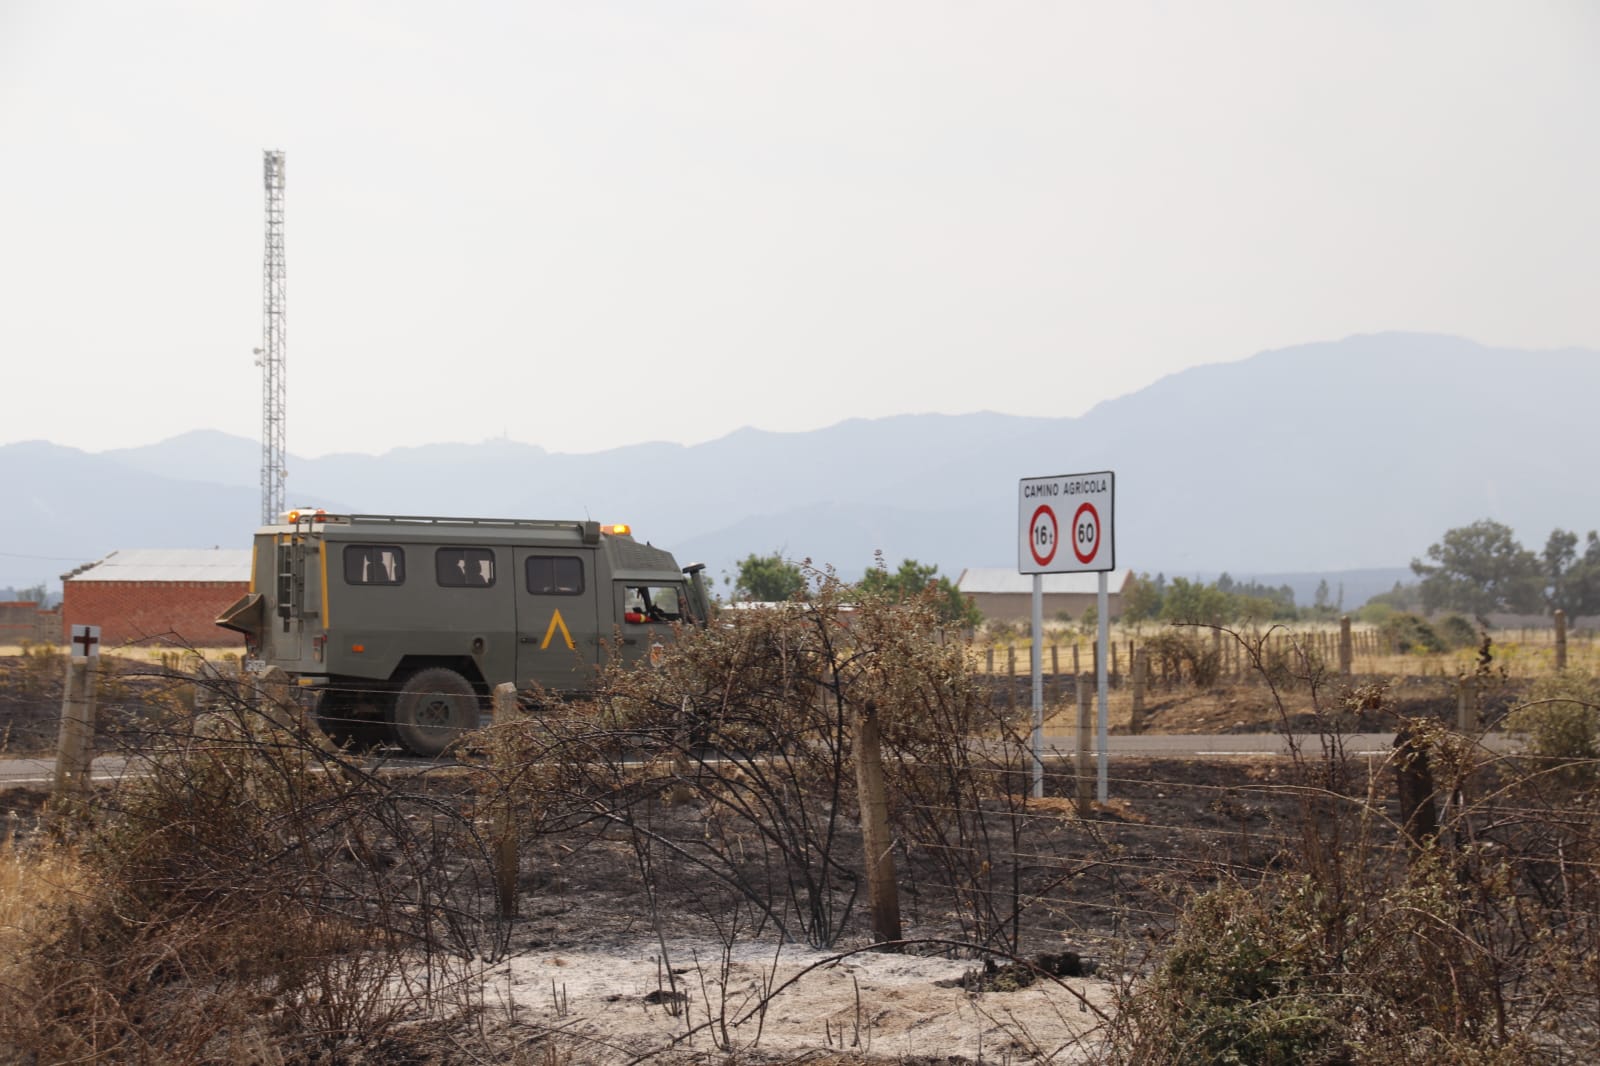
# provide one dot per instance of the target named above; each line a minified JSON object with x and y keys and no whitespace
{"x":616,"y":919}
{"x":1036,"y":881}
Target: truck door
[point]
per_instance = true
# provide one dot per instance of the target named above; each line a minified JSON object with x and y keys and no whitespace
{"x":290,"y":594}
{"x":558,"y":630}
{"x":649,"y":610}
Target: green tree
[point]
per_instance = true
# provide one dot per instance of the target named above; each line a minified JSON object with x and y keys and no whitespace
{"x":1480,"y":569}
{"x":1572,"y":581}
{"x":1251,"y":601}
{"x":1141,"y":599}
{"x":1399,"y":598}
{"x":914,"y":579}
{"x":1195,"y":601}
{"x":769,"y":579}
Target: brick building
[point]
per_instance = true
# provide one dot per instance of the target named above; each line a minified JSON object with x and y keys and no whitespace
{"x":167,"y":595}
{"x":1007,"y":596}
{"x":26,"y":621}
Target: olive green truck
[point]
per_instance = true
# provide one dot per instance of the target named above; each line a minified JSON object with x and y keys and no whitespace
{"x":402,"y":625}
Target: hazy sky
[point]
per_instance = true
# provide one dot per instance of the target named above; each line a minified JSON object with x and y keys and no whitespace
{"x":593,"y":223}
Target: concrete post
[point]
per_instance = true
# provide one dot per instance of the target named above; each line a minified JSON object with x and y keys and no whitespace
{"x":75,"y":746}
{"x":1346,"y":650}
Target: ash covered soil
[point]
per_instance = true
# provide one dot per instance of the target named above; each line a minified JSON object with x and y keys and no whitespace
{"x":615,"y":972}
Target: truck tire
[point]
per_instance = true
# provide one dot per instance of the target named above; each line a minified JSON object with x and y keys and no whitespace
{"x":434,"y":708}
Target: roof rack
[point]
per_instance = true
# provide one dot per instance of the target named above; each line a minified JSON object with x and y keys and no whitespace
{"x":590,"y":531}
{"x":436,"y":520}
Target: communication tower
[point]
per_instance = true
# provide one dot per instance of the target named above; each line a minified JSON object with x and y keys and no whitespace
{"x":270,"y":356}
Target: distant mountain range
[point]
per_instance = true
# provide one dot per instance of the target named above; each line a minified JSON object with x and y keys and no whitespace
{"x":1323,"y":460}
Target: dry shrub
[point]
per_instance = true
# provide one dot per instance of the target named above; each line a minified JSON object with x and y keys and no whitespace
{"x":1287,"y":972}
{"x":1186,"y":653}
{"x":1465,"y":935}
{"x":250,"y":899}
{"x":1561,"y":721}
{"x":752,"y":722}
{"x":750,"y":719}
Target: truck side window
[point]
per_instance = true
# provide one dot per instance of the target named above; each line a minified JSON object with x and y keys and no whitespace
{"x":652,"y":603}
{"x":555,"y":575}
{"x":464,"y":567}
{"x":374,"y":564}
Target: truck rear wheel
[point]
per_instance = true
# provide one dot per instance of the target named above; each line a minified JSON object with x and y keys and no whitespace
{"x":433,"y":709}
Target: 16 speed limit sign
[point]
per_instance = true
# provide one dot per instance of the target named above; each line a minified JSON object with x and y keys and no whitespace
{"x":1065,"y":524}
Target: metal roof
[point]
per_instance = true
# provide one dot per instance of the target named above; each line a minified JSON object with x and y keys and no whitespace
{"x":999,"y":579}
{"x":169,"y":564}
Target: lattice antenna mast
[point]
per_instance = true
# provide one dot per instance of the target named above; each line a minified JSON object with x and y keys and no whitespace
{"x":274,"y":340}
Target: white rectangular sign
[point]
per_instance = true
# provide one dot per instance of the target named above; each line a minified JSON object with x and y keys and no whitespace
{"x":1064,"y":524}
{"x":85,"y":642}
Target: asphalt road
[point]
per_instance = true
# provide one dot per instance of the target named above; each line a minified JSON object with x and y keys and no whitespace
{"x":1057,"y":743}
{"x":1205,"y":744}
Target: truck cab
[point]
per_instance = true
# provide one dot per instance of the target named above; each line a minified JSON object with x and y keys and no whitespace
{"x":403,"y":624}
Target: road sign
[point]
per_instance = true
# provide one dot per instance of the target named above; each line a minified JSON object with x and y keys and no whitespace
{"x":1043,"y":535}
{"x":1077,"y":507}
{"x":85,"y":642}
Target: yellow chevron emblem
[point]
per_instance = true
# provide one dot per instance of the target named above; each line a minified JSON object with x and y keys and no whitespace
{"x":556,"y":622}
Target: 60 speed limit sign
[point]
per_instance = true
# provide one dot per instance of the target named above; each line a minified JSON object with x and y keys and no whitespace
{"x":1075,"y":508}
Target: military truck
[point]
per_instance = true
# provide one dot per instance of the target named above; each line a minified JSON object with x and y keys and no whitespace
{"x":401,"y":625}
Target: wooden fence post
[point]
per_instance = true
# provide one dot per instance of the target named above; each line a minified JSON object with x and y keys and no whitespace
{"x":507,"y":861}
{"x":1011,"y":676}
{"x":1561,"y":639}
{"x":1085,"y":775}
{"x":1346,"y":652}
{"x":882,"y":893}
{"x":1141,"y":673}
{"x":1464,"y":723}
{"x":75,"y":746}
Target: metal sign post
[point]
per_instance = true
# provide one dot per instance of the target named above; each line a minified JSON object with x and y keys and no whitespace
{"x":1087,"y":503}
{"x":1102,"y":789}
{"x":1038,"y":686}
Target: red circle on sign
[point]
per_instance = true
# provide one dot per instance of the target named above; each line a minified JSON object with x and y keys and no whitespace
{"x":1082,"y":558}
{"x":1033,"y":541}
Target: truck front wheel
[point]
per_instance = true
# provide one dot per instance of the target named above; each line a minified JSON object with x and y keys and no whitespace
{"x":433,"y":709}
